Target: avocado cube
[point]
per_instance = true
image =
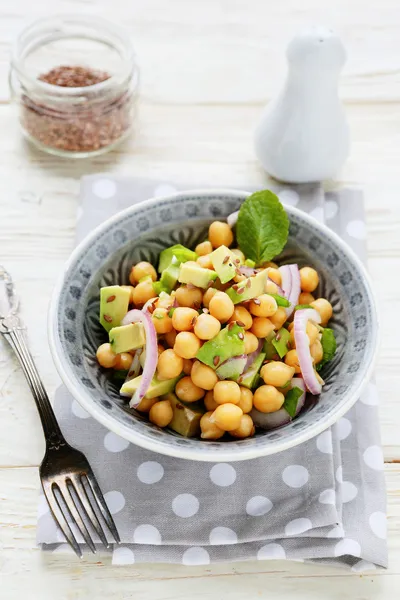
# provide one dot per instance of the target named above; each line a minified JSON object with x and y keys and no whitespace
{"x":225,"y":263}
{"x":127,"y":337}
{"x":280,"y":342}
{"x":169,"y":277}
{"x":196,"y":275}
{"x":186,"y":419}
{"x":114,"y":303}
{"x":178,"y":251}
{"x":245,"y":290}
{"x":232,"y":368}
{"x":229,"y":342}
{"x":251,"y":377}
{"x":156,"y":387}
{"x":269,"y":348}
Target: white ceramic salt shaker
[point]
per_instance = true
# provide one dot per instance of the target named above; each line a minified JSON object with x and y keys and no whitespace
{"x":303,"y":134}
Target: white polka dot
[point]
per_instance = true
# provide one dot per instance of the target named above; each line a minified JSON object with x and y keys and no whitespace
{"x":63,"y":549}
{"x":343,"y":428}
{"x":258,"y":506}
{"x":115,"y":443}
{"x":347,"y":546}
{"x":324,"y":442}
{"x":348,"y":491}
{"x":373,"y":457}
{"x":115,"y":501}
{"x":327,"y":497}
{"x":164,"y":189}
{"x":104,"y":188}
{"x":295,"y":476}
{"x":339,"y":474}
{"x":318,"y":214}
{"x":195,"y":556}
{"x":79,"y":213}
{"x":43,"y":507}
{"x":363,"y":565}
{"x":123,"y":556}
{"x":271,"y":551}
{"x":289,"y":197}
{"x":150,"y":472}
{"x":185,"y":505}
{"x":370,"y":395}
{"x":357,"y":229}
{"x":331,"y":209}
{"x":298,"y":526}
{"x":378,"y":524}
{"x":336,"y":532}
{"x":147,"y":534}
{"x":223,"y":474}
{"x":222,"y":536}
{"x":79,"y":411}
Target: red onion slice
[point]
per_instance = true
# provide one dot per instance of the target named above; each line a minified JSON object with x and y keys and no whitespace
{"x":247,"y":271}
{"x":281,"y":416}
{"x":301,"y":319}
{"x":252,"y":357}
{"x":232,"y":219}
{"x":136,"y":316}
{"x":291,"y":286}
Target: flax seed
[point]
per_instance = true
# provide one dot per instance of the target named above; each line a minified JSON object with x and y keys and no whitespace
{"x":110,"y":299}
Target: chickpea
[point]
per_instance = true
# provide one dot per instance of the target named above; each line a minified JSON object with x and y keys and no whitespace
{"x":271,"y":287}
{"x":275,"y":275}
{"x":292,"y":360}
{"x":324,"y":308}
{"x":169,"y":365}
{"x":239,"y":278}
{"x":189,"y":296}
{"x":263,"y":306}
{"x":276,"y":373}
{"x":187,"y":366}
{"x":161,"y":413}
{"x":227,"y":416}
{"x":142,"y":269}
{"x":161,"y":320}
{"x":250,"y":342}
{"x":143,"y":292}
{"x":209,"y":401}
{"x":242,"y":316}
{"x":279,"y":318}
{"x":220,"y":234}
{"x":239,"y":254}
{"x":246,"y":399}
{"x":146,"y":404}
{"x":187,"y":391}
{"x":130,"y":288}
{"x":268,"y":399}
{"x":170,"y":338}
{"x":164,"y":301}
{"x":184,"y":318}
{"x":106,"y":357}
{"x":311,"y":330}
{"x":203,"y":248}
{"x":206,"y":327}
{"x":205,"y":262}
{"x":221,"y":307}
{"x":187,"y":344}
{"x":306,"y":298}
{"x":208,"y":294}
{"x":209,"y":430}
{"x":262,"y":327}
{"x":309,"y":279}
{"x":227,"y":391}
{"x":246,"y":428}
{"x":203,"y":376}
{"x":316,"y":351}
{"x":123,"y":362}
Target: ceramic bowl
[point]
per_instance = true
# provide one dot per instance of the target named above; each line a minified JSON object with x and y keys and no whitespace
{"x":140,"y":233}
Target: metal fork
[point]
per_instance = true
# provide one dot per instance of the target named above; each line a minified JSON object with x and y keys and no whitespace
{"x":70,"y":487}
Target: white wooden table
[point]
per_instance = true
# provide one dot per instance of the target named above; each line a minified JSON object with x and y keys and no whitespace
{"x":208,"y":67}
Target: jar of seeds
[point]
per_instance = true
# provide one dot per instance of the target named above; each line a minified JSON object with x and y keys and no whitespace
{"x":76,"y":84}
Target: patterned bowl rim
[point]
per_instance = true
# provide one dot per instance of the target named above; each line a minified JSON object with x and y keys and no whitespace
{"x":231,"y":453}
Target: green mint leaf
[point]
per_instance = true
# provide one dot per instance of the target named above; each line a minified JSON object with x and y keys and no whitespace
{"x":280,"y":300}
{"x":328,"y":342}
{"x":171,"y":312}
{"x":291,"y":399}
{"x":262,"y":227}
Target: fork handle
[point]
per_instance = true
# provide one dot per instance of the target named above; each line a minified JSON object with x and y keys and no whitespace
{"x":52,"y":432}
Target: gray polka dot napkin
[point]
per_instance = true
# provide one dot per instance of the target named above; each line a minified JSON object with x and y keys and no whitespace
{"x":322,"y":501}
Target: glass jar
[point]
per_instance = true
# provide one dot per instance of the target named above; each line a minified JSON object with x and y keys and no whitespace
{"x":75,"y":80}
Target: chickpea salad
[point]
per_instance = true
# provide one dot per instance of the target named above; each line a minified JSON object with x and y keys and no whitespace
{"x":219,"y":341}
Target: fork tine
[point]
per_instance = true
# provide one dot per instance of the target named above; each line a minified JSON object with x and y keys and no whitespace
{"x":94,"y":486}
{"x":60,"y":517}
{"x":73,"y":509}
{"x":88,"y":509}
